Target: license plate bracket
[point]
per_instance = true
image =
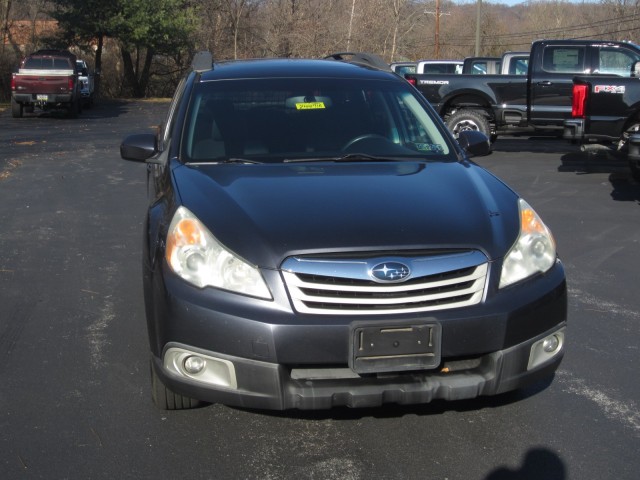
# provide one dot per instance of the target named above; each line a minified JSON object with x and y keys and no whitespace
{"x":394,"y":346}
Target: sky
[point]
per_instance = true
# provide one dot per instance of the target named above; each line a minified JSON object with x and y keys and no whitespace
{"x":508,"y":2}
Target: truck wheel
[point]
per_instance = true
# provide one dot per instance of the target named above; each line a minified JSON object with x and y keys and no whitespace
{"x":16,"y":109}
{"x":166,"y":399}
{"x":75,"y":108}
{"x":468,"y":119}
{"x":630,"y":130}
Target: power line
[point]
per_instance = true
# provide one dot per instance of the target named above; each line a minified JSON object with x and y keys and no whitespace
{"x":499,"y":40}
{"x":544,"y":33}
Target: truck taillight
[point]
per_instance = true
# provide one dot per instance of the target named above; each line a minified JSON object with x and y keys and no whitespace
{"x":71,"y":84}
{"x":578,"y":106}
{"x":411,"y":80}
{"x":13,"y":83}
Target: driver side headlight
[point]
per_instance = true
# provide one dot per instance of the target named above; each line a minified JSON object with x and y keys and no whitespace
{"x":195,"y":255}
{"x":534,"y":250}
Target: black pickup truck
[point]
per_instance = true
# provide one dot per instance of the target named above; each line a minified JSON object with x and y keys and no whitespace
{"x":606,"y":115}
{"x":540,"y":99}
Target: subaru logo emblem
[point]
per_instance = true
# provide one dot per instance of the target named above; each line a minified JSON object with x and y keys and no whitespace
{"x":390,"y":272}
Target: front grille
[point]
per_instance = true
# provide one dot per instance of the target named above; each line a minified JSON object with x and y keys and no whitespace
{"x":343,"y":286}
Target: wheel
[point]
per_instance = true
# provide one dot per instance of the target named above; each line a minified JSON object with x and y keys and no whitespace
{"x":623,"y":147}
{"x":16,"y":109}
{"x":166,"y":399}
{"x":363,"y":138}
{"x":75,"y":108}
{"x":632,"y":129}
{"x":468,"y":119}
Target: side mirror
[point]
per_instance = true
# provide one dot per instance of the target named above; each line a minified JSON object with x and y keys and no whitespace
{"x":475,"y":143}
{"x":139,"y":147}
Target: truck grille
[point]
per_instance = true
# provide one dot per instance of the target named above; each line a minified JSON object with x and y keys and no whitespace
{"x":342,"y":286}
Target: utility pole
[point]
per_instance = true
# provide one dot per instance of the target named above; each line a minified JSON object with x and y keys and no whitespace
{"x":437,"y":15}
{"x":478,"y":21}
{"x":353,"y":10}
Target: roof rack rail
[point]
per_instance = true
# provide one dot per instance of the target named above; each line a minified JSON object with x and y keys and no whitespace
{"x":360,"y":58}
{"x":202,"y":61}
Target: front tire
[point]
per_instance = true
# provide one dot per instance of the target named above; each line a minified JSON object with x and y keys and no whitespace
{"x":166,"y":399}
{"x":468,"y":119}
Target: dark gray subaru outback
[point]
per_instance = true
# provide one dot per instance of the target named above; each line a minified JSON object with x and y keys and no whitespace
{"x":316,"y":237}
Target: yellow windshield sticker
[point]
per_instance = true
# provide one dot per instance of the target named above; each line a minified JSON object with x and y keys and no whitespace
{"x":310,"y":106}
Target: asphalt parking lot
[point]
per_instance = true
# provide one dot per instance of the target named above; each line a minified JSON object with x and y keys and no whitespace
{"x":75,"y":396}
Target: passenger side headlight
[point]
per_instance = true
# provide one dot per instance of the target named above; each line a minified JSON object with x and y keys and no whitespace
{"x":195,"y":255}
{"x":534,"y":250}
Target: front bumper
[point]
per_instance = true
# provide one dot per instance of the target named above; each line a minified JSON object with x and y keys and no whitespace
{"x":265,"y":356}
{"x":271,"y":386}
{"x":51,"y":98}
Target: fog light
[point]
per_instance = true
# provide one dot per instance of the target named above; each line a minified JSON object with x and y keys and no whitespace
{"x":546,"y":349}
{"x":551,"y":344}
{"x":193,"y":364}
{"x":196,"y":366}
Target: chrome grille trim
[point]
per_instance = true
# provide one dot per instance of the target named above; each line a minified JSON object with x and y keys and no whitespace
{"x":328,"y":286}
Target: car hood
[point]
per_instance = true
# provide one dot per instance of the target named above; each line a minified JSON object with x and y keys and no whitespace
{"x":265,"y":213}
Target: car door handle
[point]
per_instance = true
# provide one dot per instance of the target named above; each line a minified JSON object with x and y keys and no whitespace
{"x":545,"y":83}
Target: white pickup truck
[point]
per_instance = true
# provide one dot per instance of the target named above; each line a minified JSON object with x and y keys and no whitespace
{"x":86,"y":81}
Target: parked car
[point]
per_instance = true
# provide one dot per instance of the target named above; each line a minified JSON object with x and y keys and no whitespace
{"x":514,"y":63}
{"x":403,"y":67}
{"x":606,"y":113}
{"x":541,"y":99}
{"x":316,"y":237}
{"x":439,"y":66}
{"x":86,"y":80}
{"x":481,"y":65}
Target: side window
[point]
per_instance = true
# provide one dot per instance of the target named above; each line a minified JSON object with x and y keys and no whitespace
{"x":479,"y":68}
{"x":563,"y":59}
{"x":616,"y":61}
{"x":519,"y":67}
{"x":167,"y":125}
{"x":415,"y":126}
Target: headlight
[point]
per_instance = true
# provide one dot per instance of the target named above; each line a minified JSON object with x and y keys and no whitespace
{"x":195,"y":255}
{"x":534,"y":250}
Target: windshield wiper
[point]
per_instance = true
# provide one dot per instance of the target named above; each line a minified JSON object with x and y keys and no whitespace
{"x":238,"y":160}
{"x":219,"y":161}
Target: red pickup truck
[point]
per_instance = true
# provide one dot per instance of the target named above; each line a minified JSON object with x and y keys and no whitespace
{"x":47,"y":79}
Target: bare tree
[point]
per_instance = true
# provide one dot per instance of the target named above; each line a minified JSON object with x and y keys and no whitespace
{"x":236,"y":10}
{"x":394,"y":29}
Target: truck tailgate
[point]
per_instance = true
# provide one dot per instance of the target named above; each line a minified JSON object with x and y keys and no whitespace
{"x":48,"y":81}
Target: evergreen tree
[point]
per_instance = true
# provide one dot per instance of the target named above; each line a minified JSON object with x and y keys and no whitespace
{"x":143,"y":28}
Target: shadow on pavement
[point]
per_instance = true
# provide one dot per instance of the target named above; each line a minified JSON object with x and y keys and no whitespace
{"x":625,"y":187}
{"x":539,"y":464}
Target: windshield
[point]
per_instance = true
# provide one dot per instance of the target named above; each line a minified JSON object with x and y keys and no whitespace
{"x":275,"y":120}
